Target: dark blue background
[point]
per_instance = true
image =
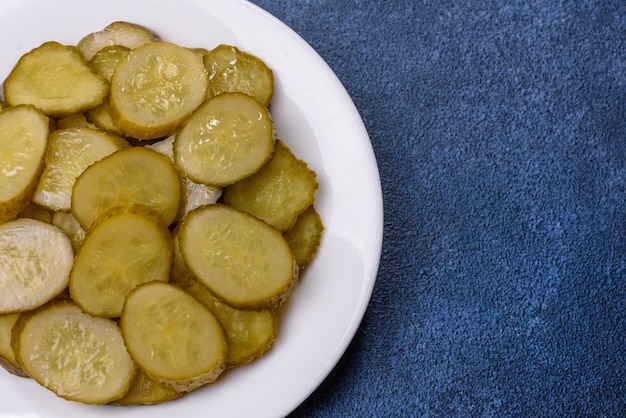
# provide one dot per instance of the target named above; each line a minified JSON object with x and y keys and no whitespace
{"x":500,"y":134}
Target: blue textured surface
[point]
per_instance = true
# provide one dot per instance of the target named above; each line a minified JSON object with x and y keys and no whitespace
{"x":500,"y":134}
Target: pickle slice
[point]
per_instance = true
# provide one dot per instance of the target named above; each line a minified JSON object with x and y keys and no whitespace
{"x":250,"y":333}
{"x":72,"y":228}
{"x":36,"y":261}
{"x":241,"y":259}
{"x":56,"y":79}
{"x":134,"y":175}
{"x":173,"y":337}
{"x":100,"y":116}
{"x":70,"y":151}
{"x":76,"y":356}
{"x":147,"y":391}
{"x":232,"y":70}
{"x":230,"y":137}
{"x":7,"y":356}
{"x":154,"y":88}
{"x":105,"y":61}
{"x":305,"y":236}
{"x":23,"y":142}
{"x":278,"y":193}
{"x":127,"y":34}
{"x":127,"y":248}
{"x":74,"y":120}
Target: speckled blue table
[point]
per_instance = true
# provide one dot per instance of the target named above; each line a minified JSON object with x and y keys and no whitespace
{"x":500,"y":134}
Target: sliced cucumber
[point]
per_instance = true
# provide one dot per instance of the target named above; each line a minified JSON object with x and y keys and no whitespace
{"x":305,"y":236}
{"x":70,"y":151}
{"x":56,"y":79}
{"x":127,"y":34}
{"x":135,"y":175}
{"x":36,"y":261}
{"x":232,"y":70}
{"x":23,"y":141}
{"x":106,"y":59}
{"x":241,"y":259}
{"x":279,"y":192}
{"x":147,"y":391}
{"x":7,"y":356}
{"x":72,"y":228}
{"x":154,"y":88}
{"x":230,"y":137}
{"x":119,"y":253}
{"x":173,"y":337}
{"x":76,"y":356}
{"x":250,"y":333}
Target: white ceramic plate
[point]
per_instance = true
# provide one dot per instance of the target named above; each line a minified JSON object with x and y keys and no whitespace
{"x":315,"y":116}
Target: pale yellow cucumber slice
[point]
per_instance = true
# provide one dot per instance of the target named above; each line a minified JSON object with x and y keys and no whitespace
{"x":305,"y":236}
{"x":279,"y":192}
{"x":241,"y":259}
{"x":230,"y":137}
{"x":36,"y":261}
{"x":76,"y":356}
{"x":23,"y":141}
{"x":75,"y":120}
{"x":70,"y":151}
{"x":7,"y":356}
{"x":250,"y":333}
{"x":127,"y":248}
{"x":105,"y":60}
{"x":233,"y":70}
{"x":155,"y":88}
{"x":100,"y":116}
{"x":72,"y":228}
{"x":127,"y":34}
{"x":173,"y":337}
{"x":56,"y":79}
{"x":147,"y":391}
{"x":134,"y":175}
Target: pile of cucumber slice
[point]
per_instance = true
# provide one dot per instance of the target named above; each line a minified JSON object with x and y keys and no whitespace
{"x":151,"y":221}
